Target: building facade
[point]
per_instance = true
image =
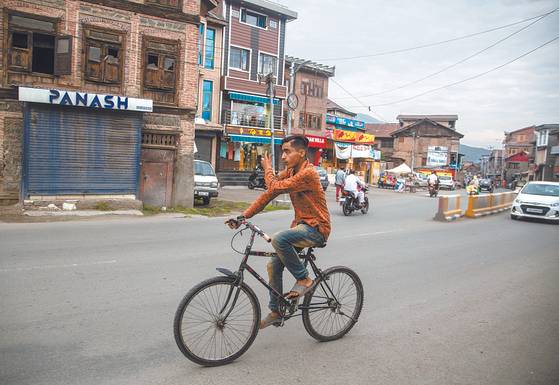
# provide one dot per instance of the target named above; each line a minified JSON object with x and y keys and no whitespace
{"x":547,"y":152}
{"x":210,"y":58}
{"x":254,"y":46}
{"x":310,"y":87}
{"x":98,"y":99}
{"x":519,"y":142}
{"x":384,"y":141}
{"x":428,"y":141}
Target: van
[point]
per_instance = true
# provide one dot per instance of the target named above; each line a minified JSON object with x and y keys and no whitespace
{"x":206,"y":184}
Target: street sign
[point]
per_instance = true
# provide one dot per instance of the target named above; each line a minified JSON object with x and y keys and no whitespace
{"x":292,"y":101}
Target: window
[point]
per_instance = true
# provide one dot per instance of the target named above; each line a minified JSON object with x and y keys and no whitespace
{"x":308,"y":120}
{"x":387,"y":142}
{"x":312,"y":88}
{"x":35,"y":47}
{"x":200,"y":44}
{"x":210,"y":48}
{"x":207,"y":100}
{"x":160,"y":65}
{"x":103,"y":62}
{"x":253,"y":18}
{"x":401,"y":139}
{"x":542,"y":138}
{"x":267,"y":64}
{"x":239,"y":58}
{"x":165,"y":3}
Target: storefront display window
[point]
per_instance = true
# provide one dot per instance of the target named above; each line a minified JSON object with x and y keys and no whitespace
{"x":248,"y":114}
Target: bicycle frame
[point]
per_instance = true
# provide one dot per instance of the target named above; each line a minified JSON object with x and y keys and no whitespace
{"x":285,"y":303}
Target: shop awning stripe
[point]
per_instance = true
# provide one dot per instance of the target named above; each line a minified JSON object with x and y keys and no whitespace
{"x":251,"y":98}
{"x":254,"y":139}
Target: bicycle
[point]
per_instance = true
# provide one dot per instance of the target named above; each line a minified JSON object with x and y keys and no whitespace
{"x":218,"y":319}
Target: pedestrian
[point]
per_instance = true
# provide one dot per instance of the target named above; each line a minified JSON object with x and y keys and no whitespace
{"x":339,"y":182}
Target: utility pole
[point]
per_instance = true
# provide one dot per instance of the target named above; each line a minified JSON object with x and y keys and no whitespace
{"x":270,"y":81}
{"x":413,"y":152}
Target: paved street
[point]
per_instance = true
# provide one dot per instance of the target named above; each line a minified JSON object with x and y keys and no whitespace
{"x":470,"y":302}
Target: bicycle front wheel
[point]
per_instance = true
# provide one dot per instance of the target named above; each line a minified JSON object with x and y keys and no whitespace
{"x":208,"y":330}
{"x":331,"y":310}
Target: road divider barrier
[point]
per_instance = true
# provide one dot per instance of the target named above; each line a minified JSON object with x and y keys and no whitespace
{"x":450,"y":208}
{"x":487,"y":204}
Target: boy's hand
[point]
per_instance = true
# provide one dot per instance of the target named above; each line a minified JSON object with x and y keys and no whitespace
{"x":235,"y":223}
{"x":266,"y":161}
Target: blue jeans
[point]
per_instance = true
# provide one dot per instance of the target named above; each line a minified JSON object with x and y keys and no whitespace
{"x":285,"y":242}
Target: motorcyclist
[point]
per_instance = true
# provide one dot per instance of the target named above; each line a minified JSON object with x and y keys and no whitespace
{"x":433,"y":180}
{"x":352,"y":182}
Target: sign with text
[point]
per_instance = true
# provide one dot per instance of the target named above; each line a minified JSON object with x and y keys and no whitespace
{"x":333,"y":119}
{"x":84,"y":99}
{"x":353,"y":137}
{"x":316,"y":141}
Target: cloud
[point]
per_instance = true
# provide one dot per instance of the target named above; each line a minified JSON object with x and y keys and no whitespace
{"x":515,"y":96}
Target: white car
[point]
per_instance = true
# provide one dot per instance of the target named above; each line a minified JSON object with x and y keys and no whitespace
{"x":205,"y":182}
{"x":446,"y":182}
{"x":537,"y":200}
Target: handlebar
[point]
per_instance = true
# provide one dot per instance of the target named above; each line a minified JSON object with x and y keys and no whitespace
{"x":256,"y":230}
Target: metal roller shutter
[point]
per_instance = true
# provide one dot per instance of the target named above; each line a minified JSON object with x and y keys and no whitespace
{"x":69,"y":150}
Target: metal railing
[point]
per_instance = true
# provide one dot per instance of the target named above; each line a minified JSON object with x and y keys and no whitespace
{"x":249,"y":120}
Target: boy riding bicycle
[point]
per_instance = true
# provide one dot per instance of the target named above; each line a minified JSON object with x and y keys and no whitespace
{"x":311,"y":226}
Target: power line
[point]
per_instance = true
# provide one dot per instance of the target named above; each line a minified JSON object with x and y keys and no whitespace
{"x":358,"y":101}
{"x":460,"y":61}
{"x":466,"y":79}
{"x":384,"y":53}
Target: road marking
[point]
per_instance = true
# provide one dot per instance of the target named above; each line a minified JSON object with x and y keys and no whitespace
{"x":45,"y":267}
{"x":368,"y":234}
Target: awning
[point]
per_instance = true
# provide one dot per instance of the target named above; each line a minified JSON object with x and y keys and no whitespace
{"x":251,"y":98}
{"x":254,"y":139}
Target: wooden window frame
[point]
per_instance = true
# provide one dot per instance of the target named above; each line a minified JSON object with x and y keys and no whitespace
{"x":104,"y":45}
{"x":146,"y":50}
{"x":249,"y":58}
{"x":155,"y":3}
{"x":29,"y":32}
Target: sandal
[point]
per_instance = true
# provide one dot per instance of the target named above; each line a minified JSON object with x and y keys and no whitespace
{"x":299,"y":291}
{"x":270,"y":320}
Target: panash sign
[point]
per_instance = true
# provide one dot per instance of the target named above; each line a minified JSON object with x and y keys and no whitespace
{"x":84,"y":99}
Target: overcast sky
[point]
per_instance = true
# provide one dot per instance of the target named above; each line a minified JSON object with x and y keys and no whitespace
{"x":523,"y":93}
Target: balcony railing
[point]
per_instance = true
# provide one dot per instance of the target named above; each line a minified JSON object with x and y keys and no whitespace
{"x":244,"y":119}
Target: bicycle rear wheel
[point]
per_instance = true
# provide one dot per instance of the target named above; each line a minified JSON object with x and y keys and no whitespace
{"x":204,"y":332}
{"x":331,"y":310}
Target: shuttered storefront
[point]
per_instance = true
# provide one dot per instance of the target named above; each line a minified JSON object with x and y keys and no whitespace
{"x":71,"y":150}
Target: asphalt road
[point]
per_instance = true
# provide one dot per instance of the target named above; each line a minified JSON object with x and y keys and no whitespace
{"x":469,"y":302}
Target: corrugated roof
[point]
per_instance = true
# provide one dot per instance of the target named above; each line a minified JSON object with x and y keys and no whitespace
{"x":311,"y":65}
{"x":381,"y":130}
{"x":445,"y":118}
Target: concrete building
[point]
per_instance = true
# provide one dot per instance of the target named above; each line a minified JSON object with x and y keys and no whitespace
{"x":427,"y":141}
{"x":254,"y":46}
{"x":98,"y":98}
{"x":310,"y":86}
{"x":384,"y":141}
{"x":547,"y":152}
{"x":209,"y":129}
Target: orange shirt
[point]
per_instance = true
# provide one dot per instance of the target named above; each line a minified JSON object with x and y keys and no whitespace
{"x":305,"y":191}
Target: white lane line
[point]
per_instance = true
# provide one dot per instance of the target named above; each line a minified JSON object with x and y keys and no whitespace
{"x":368,"y":234}
{"x":45,"y":267}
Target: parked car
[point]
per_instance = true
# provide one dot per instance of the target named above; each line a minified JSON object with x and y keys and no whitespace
{"x":486,"y":185}
{"x":323,"y":177}
{"x":537,"y":200}
{"x":421,"y":180}
{"x":205,"y":181}
{"x":446,"y":182}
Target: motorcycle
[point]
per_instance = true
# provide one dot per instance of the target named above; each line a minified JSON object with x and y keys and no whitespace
{"x":350,"y":203}
{"x":256,"y":179}
{"x":433,"y":190}
{"x":472,"y":189}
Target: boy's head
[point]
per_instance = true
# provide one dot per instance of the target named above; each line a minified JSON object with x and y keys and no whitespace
{"x":294,"y":150}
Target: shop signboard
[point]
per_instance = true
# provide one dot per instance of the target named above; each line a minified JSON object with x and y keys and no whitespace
{"x":84,"y":99}
{"x":337,"y":120}
{"x":346,"y":151}
{"x":316,"y":141}
{"x":353,"y":137}
{"x":437,"y":156}
{"x":254,"y":131}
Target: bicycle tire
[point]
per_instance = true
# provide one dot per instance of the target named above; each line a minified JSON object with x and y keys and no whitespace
{"x":308,"y":320}
{"x":187,"y":300}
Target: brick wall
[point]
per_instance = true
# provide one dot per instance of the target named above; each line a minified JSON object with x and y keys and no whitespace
{"x":11,"y":129}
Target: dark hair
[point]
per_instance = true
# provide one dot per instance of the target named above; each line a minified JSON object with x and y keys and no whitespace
{"x":300,"y":142}
{"x":352,"y":171}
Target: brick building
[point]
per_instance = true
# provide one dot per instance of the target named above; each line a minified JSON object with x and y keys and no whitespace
{"x":254,"y":45}
{"x":427,"y":140}
{"x":547,"y":152}
{"x":384,"y":141}
{"x":103,"y":93}
{"x":310,"y":85}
